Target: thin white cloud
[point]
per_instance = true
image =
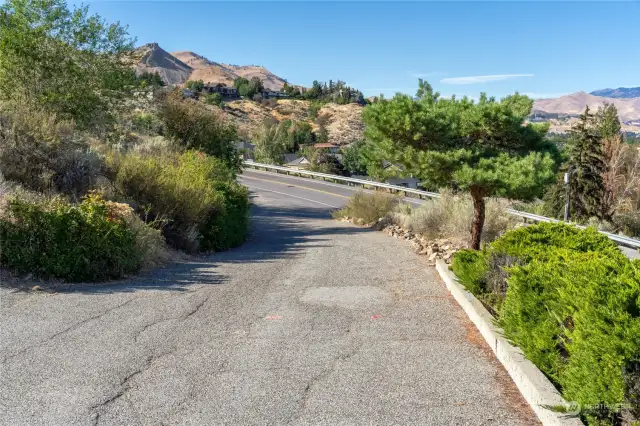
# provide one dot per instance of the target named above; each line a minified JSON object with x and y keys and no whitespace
{"x":479,"y":79}
{"x":426,"y":74}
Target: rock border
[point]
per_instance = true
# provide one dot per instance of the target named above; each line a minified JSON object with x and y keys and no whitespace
{"x":534,"y":386}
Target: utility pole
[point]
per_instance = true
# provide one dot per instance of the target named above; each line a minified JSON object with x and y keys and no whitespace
{"x":567,"y":198}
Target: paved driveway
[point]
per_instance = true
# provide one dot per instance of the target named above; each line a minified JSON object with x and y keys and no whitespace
{"x":310,"y":322}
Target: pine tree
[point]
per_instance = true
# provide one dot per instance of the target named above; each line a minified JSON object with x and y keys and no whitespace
{"x":586,"y":168}
{"x":483,"y":148}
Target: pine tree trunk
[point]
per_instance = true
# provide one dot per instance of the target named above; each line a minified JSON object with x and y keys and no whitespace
{"x":478,"y":217}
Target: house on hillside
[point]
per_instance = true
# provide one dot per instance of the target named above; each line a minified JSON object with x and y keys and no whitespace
{"x":268,"y":94}
{"x":331,"y":148}
{"x":222,"y":89}
{"x":296,"y":161}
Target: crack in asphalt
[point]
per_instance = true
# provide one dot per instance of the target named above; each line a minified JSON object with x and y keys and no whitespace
{"x":306,"y":393}
{"x":182,"y":317}
{"x":66,"y":330}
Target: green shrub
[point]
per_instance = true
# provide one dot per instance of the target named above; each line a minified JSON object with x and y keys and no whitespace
{"x":536,"y":241}
{"x":229,"y":227}
{"x":196,"y":127}
{"x":470,"y":266}
{"x":194,"y":194}
{"x":213,"y":99}
{"x":576,"y":315}
{"x":54,"y":239}
{"x":45,"y":154}
{"x":571,"y":301}
{"x":367,"y":208}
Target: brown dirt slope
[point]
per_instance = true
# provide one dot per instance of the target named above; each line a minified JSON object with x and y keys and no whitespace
{"x":152,"y":58}
{"x":344,"y":122}
{"x":178,"y":67}
{"x":214,"y":72}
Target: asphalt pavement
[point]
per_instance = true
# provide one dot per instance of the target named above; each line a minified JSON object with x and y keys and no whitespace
{"x":311,"y":322}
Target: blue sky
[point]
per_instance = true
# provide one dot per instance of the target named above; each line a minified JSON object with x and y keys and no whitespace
{"x":544,"y":49}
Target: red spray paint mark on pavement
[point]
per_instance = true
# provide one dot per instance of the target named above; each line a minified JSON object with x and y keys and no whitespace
{"x":376,"y":316}
{"x":273,"y":317}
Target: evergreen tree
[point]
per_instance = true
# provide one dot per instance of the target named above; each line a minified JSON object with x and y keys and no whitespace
{"x":586,"y":167}
{"x":323,"y":135}
{"x":481,"y":147}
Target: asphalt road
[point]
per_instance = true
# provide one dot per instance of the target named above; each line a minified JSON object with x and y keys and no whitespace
{"x":312,"y":321}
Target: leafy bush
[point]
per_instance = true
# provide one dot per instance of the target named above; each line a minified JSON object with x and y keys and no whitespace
{"x":44,"y":154}
{"x":195,"y":127}
{"x":149,"y":239}
{"x":577,"y":317}
{"x":470,"y":266}
{"x":213,"y":99}
{"x":367,"y":208}
{"x":229,"y":227}
{"x":64,"y":60}
{"x":571,"y":300}
{"x":54,"y":239}
{"x":193,"y":194}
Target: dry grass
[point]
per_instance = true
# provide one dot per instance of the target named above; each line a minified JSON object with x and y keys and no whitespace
{"x":365,"y":209}
{"x":343,"y":122}
{"x":451,"y":216}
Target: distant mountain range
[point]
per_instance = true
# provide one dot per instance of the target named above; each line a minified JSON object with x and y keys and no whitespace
{"x":575,"y":103}
{"x":619,"y":93}
{"x":178,"y":67}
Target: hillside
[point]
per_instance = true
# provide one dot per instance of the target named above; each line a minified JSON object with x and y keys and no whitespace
{"x":178,"y":67}
{"x":343,"y":122}
{"x":152,"y":58}
{"x":619,"y":93}
{"x":575,"y":103}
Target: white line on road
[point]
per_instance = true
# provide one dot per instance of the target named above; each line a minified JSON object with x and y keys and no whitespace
{"x":294,"y":196}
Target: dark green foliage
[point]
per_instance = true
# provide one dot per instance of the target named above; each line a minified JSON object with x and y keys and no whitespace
{"x":481,"y":147}
{"x":214,"y":99}
{"x":353,"y":160}
{"x":312,"y":111}
{"x":586,"y":166}
{"x":576,"y":316}
{"x":55,"y":239}
{"x":572,"y":304}
{"x":338,"y":93}
{"x":148,"y":79}
{"x":228,"y":228}
{"x":300,"y":134}
{"x":66,"y":61}
{"x":470,"y":266}
{"x":195,"y":85}
{"x":194,"y":194}
{"x":248,"y":88}
{"x":195,"y":127}
{"x":323,"y":135}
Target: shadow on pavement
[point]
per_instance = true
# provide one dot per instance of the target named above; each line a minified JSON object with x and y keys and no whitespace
{"x":275,"y":233}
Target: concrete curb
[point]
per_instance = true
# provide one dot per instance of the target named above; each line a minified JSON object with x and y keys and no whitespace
{"x":537,"y":390}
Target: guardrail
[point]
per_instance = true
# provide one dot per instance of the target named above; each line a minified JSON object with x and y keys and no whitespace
{"x":620,"y":239}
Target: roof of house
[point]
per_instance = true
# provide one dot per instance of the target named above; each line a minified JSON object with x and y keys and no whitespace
{"x":325,"y":145}
{"x":293,"y":159}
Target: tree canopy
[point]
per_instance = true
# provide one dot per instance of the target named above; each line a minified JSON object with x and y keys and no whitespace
{"x":248,"y":88}
{"x":482,"y":147}
{"x":63,"y":59}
